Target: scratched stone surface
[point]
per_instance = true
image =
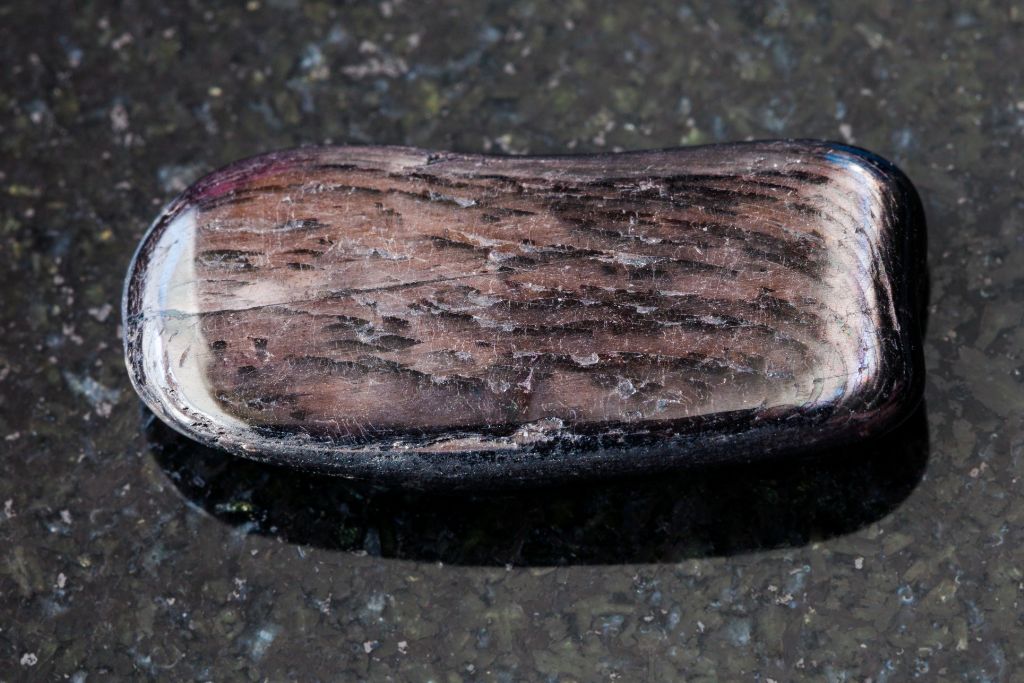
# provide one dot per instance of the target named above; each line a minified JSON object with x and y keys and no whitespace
{"x":339,"y":308}
{"x":131,"y":552}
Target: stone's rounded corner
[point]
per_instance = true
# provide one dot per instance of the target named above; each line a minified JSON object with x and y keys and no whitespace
{"x":904,"y":206}
{"x":901,"y":398}
{"x":890,"y":178}
{"x":902,"y":249}
{"x":866,"y":159}
{"x":141,"y":327}
{"x":896,"y":391}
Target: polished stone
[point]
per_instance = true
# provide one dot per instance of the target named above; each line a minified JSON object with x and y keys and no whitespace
{"x":397,"y":313}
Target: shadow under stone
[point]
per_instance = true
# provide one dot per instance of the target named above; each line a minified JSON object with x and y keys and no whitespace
{"x":703,"y":512}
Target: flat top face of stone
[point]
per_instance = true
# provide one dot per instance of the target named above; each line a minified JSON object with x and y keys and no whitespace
{"x":387,"y":299}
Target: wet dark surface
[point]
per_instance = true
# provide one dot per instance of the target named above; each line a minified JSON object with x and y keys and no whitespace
{"x":131,"y":554}
{"x":666,"y":518}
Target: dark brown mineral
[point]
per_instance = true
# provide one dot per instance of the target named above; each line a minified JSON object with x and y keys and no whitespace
{"x":393,"y":312}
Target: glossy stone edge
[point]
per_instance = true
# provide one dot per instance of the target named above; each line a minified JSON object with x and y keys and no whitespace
{"x":559,"y":455}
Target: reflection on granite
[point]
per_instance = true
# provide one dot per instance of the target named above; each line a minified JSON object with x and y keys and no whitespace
{"x":126,"y":557}
{"x":697,"y":513}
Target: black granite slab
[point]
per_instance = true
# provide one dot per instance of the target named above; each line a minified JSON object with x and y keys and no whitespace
{"x":128,"y":553}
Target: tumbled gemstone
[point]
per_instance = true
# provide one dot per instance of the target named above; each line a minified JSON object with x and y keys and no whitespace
{"x":392,"y":312}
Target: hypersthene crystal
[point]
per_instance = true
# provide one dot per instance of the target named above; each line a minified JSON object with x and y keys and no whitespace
{"x":436,"y":317}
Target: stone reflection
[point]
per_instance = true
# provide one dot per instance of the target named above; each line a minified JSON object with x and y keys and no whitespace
{"x":696,"y":513}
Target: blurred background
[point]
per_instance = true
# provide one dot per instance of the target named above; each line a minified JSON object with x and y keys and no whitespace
{"x":130,"y":553}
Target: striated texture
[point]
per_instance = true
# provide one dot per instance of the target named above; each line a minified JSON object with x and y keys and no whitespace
{"x":431,"y":316}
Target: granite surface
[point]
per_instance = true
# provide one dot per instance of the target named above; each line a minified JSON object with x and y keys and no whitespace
{"x":130,"y":553}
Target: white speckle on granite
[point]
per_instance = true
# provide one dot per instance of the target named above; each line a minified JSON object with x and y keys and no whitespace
{"x":738,"y":632}
{"x":98,"y":396}
{"x":262,"y":640}
{"x":846,"y":130}
{"x":376,"y":603}
{"x":101,"y":313}
{"x":118,"y":118}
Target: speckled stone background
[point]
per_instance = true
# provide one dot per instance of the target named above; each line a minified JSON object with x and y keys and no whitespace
{"x":128,"y":553}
